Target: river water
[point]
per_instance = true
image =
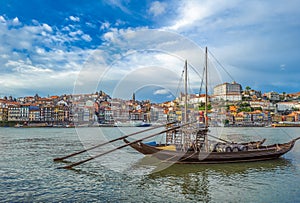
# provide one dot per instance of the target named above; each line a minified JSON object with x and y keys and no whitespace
{"x":28,"y":173}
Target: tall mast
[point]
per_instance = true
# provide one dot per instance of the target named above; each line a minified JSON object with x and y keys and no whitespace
{"x":206,"y":91}
{"x":185,"y":92}
{"x":206,"y":102}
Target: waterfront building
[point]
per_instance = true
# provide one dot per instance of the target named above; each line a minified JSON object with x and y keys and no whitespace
{"x":67,"y":114}
{"x":108,"y":115}
{"x":88,"y":113}
{"x":249,"y":118}
{"x":24,"y":112}
{"x":59,"y":114}
{"x":13,"y":109}
{"x":34,"y":114}
{"x":174,"y":115}
{"x":292,"y":117}
{"x":3,"y":114}
{"x":158,"y":114}
{"x":46,"y":113}
{"x":14,"y":113}
{"x":3,"y":103}
{"x":277,"y":118}
{"x":227,"y":92}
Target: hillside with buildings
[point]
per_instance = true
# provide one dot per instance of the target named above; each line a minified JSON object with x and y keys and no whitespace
{"x":229,"y":105}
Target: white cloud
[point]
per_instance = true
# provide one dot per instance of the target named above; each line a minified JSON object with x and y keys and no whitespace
{"x":135,"y":58}
{"x":76,"y":33}
{"x":161,"y":91}
{"x":157,"y":8}
{"x":119,"y":4}
{"x":245,"y":35}
{"x":21,"y":66}
{"x":16,"y":21}
{"x":105,"y":25}
{"x":120,"y":22}
{"x":74,"y":18}
{"x":190,"y":12}
{"x":86,"y":37}
{"x":40,"y":50}
{"x":47,"y":27}
{"x":35,"y":56}
{"x":109,"y":36}
{"x":2,"y":19}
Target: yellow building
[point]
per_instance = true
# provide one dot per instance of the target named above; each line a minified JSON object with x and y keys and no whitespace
{"x":3,"y":114}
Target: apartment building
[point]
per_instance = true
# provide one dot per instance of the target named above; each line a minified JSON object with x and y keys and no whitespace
{"x":3,"y":114}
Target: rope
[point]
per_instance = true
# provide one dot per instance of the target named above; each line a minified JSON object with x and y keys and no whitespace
{"x":202,"y":80}
{"x":179,"y":84}
{"x":222,"y":66}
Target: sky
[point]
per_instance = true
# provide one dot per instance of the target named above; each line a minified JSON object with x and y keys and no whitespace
{"x":71,"y":46}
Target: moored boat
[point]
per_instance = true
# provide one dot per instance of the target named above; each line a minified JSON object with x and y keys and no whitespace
{"x":260,"y":153}
{"x":286,"y":124}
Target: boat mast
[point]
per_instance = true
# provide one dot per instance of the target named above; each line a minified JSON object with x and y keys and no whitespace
{"x":206,"y":90}
{"x":206,"y":102}
{"x":185,"y":92}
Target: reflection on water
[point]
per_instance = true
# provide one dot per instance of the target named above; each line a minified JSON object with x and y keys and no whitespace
{"x":224,"y":169}
{"x":200,"y":182}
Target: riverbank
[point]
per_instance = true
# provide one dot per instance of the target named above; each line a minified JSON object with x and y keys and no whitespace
{"x":17,"y":124}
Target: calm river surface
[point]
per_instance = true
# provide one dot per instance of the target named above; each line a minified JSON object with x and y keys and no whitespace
{"x":28,"y":174}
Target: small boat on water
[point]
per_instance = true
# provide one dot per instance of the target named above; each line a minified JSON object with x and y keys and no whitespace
{"x":132,"y":123}
{"x":144,"y":124}
{"x":189,"y":144}
{"x":286,"y":124}
{"x":18,"y":125}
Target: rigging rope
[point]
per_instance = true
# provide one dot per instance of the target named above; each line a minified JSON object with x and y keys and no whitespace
{"x":202,"y":80}
{"x":221,"y":66}
{"x":179,"y":84}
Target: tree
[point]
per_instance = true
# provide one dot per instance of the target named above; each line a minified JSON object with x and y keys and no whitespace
{"x":248,"y":88}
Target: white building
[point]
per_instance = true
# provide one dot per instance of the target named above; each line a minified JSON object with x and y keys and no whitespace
{"x":228,"y":92}
{"x":197,"y":99}
{"x":24,"y":113}
{"x":282,"y":106}
{"x":264,"y":104}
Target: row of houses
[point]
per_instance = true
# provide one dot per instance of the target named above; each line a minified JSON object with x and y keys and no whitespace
{"x":32,"y":113}
{"x":101,"y":108}
{"x":52,"y":110}
{"x":78,"y":109}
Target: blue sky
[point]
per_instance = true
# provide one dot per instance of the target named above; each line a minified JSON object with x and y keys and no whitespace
{"x":62,"y":46}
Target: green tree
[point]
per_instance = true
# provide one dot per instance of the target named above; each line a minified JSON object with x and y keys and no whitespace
{"x":248,"y":88}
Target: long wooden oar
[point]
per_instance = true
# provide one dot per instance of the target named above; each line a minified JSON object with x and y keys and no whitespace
{"x":122,"y":146}
{"x":102,"y":144}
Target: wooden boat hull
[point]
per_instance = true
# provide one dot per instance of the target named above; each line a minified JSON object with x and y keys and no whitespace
{"x":193,"y":157}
